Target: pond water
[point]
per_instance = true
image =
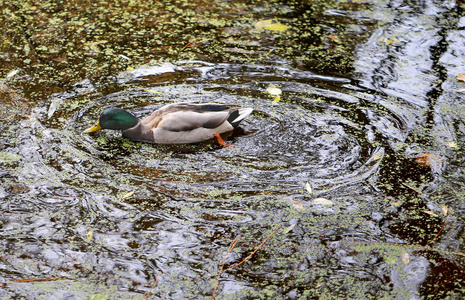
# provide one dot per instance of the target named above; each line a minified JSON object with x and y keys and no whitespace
{"x":351,"y":184}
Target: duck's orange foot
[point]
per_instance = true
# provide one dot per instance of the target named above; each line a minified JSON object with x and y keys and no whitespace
{"x":221,"y":141}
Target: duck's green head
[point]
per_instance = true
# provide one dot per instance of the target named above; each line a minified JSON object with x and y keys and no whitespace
{"x":114,"y":118}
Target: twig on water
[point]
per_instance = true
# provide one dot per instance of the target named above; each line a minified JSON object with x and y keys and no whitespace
{"x":250,"y":255}
{"x":32,"y":280}
{"x":413,"y":189}
{"x":153,"y":286}
{"x":222,"y":265}
{"x":438,"y":232}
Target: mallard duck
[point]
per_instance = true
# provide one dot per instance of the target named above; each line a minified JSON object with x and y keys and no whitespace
{"x":178,"y":123}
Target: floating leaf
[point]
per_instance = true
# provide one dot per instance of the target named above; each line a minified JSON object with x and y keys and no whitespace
{"x":297,"y":204}
{"x":428,"y":159}
{"x":323,"y":201}
{"x":90,"y":233}
{"x":262,"y":24}
{"x":461,"y":90}
{"x":129,"y":68}
{"x":269,"y":25}
{"x":277,"y":27}
{"x":274,"y":91}
{"x":389,"y":41}
{"x":288,"y":229}
{"x":429,"y":212}
{"x":12,"y":73}
{"x":96,"y":43}
{"x":127,"y":195}
{"x":377,"y":157}
{"x":461,"y":77}
{"x":405,"y":257}
{"x":152,"y":91}
{"x":445,"y":210}
{"x":308,"y":187}
{"x":452,"y":144}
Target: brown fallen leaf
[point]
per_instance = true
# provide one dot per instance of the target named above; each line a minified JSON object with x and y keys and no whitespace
{"x":297,"y":204}
{"x":430,"y":160}
{"x":461,"y":77}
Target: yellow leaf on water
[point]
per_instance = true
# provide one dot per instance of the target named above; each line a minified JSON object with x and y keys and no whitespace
{"x":308,"y":187}
{"x":297,"y":204}
{"x":90,"y":233}
{"x":277,"y":27}
{"x":389,"y":41}
{"x":129,"y":68}
{"x":377,"y":157}
{"x":276,"y":100}
{"x":269,"y":25}
{"x":323,"y":201}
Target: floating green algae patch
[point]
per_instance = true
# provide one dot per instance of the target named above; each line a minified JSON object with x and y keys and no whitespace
{"x":8,"y":157}
{"x":58,"y":44}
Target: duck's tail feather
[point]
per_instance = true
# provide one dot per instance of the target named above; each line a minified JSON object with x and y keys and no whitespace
{"x":237,"y":116}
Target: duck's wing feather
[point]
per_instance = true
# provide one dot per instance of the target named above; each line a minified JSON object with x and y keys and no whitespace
{"x":189,"y":120}
{"x":187,"y":116}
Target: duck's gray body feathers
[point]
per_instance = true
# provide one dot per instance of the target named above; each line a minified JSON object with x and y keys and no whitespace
{"x":182,"y":123}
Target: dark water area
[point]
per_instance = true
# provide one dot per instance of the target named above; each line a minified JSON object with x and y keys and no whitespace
{"x":350,"y":183}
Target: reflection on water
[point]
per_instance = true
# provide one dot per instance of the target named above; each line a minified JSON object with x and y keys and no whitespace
{"x":134,"y":209}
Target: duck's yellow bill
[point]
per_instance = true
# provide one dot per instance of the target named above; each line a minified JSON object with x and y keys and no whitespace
{"x":93,"y":128}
